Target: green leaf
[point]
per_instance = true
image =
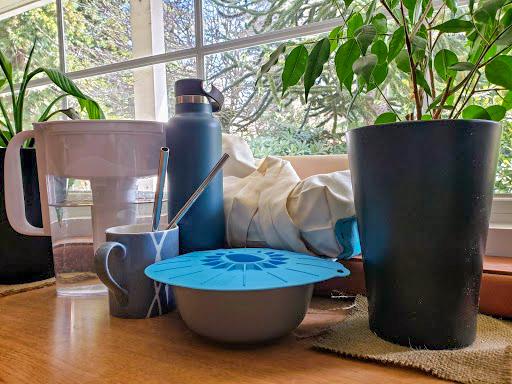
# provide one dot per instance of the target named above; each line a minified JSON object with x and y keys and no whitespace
{"x":409,"y":4}
{"x":507,"y":101}
{"x":48,"y":109}
{"x":379,"y":48}
{"x":475,"y":112}
{"x":499,"y":71}
{"x":380,"y":22}
{"x":443,"y":60}
{"x":452,"y":5}
{"x":402,"y":61}
{"x":385,"y":118}
{"x":487,"y":9}
{"x":426,"y":117}
{"x":462,"y":66}
{"x":379,"y":74}
{"x":353,"y":23}
{"x":315,"y":65}
{"x":396,"y":43}
{"x":2,"y":83}
{"x":506,"y":20}
{"x":346,"y":55}
{"x":67,"y":85}
{"x":419,"y":45}
{"x":6,"y":67}
{"x":364,"y":66}
{"x":420,"y":79}
{"x":364,"y":36}
{"x":505,"y":39}
{"x":347,"y":3}
{"x":272,"y":60}
{"x":294,"y":66}
{"x":454,"y":26}
{"x":334,"y":37}
{"x":496,"y":112}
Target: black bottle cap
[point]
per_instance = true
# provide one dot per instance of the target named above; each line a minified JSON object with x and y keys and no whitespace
{"x":199,"y":87}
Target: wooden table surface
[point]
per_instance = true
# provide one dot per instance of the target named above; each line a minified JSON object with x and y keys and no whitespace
{"x":50,"y":339}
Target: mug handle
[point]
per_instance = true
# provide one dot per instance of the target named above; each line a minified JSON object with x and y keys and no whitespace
{"x":101,"y":263}
{"x":13,"y":184}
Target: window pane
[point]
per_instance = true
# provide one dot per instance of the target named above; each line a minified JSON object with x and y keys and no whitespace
{"x":98,"y":32}
{"x":17,"y":35}
{"x":178,"y":70}
{"x":113,"y":92}
{"x":289,"y":126}
{"x":226,"y":20}
{"x":178,"y":24}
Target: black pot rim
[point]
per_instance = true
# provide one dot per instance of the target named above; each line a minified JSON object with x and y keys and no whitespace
{"x":425,"y":122}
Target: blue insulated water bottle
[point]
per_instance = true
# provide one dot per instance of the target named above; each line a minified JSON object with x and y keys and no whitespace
{"x":194,"y":139}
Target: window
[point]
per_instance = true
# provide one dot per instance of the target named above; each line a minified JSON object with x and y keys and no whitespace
{"x":128,"y":53}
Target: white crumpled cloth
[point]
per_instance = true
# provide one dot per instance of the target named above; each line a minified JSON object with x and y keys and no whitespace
{"x":267,"y":205}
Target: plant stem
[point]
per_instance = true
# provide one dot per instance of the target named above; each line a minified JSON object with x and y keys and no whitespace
{"x":443,"y":98}
{"x":422,"y":19}
{"x":411,"y":64}
{"x":383,"y":2}
{"x":388,"y":103}
{"x":470,"y":94}
{"x":6,"y":117}
{"x":429,"y":64}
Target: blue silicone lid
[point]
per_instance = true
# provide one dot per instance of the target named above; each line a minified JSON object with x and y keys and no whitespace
{"x":244,"y":269}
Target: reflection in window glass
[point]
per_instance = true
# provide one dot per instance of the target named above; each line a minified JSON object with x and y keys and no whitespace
{"x":178,"y":24}
{"x":226,"y":20}
{"x":17,"y":35}
{"x":98,"y":32}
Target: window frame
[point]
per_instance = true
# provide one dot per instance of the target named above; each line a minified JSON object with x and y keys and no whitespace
{"x":500,"y":229}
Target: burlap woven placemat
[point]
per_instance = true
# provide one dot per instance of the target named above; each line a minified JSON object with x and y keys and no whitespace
{"x":488,"y":360}
{"x":7,"y":290}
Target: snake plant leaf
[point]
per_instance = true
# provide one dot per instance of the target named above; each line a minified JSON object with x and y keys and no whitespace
{"x":364,"y":36}
{"x":6,"y":67}
{"x":462,"y":66}
{"x":499,"y":70}
{"x":496,"y":112}
{"x":475,"y":112}
{"x":67,"y":85}
{"x":454,"y":26}
{"x":353,"y":23}
{"x":487,"y":10}
{"x":315,"y":65}
{"x":380,"y":49}
{"x":443,"y":60}
{"x":396,"y":43}
{"x":345,"y":57}
{"x":2,"y":83}
{"x":386,"y":117}
{"x":364,"y":66}
{"x":380,"y":22}
{"x":422,"y":82}
{"x":294,"y":66}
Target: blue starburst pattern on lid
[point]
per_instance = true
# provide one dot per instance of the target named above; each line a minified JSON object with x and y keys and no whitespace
{"x":244,"y":269}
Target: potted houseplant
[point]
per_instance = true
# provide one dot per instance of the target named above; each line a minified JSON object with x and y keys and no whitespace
{"x":422,"y":176}
{"x":26,"y":258}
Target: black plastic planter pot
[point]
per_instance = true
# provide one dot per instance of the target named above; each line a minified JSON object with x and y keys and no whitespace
{"x":24,"y":258}
{"x":423,"y":193}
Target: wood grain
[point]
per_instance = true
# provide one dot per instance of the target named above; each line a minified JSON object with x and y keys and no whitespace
{"x":49,"y":339}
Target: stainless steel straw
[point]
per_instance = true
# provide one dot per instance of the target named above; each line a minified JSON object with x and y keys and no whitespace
{"x":160,"y":182}
{"x":198,"y":191}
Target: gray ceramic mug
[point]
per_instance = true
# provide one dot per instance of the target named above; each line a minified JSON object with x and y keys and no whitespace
{"x":120,"y":264}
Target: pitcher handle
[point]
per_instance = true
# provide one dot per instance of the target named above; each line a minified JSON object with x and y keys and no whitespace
{"x":101,"y":263}
{"x":13,"y":184}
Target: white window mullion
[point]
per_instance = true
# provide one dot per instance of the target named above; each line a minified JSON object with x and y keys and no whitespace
{"x":198,"y":22}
